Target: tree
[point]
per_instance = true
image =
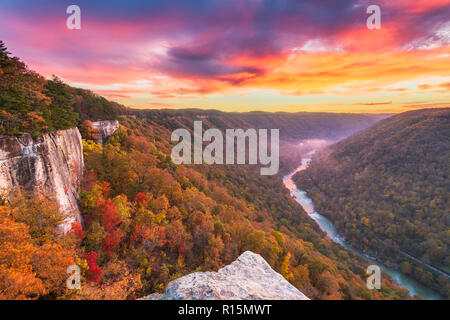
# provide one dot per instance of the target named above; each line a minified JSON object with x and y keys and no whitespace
{"x":62,"y":114}
{"x":77,"y":230}
{"x":108,"y":212}
{"x":94,"y":272}
{"x":50,"y":262}
{"x":110,"y":222}
{"x":405,"y":267}
{"x":4,"y":54}
{"x":53,"y":104}
{"x":284,"y":267}
{"x":17,"y":278}
{"x":42,"y":226}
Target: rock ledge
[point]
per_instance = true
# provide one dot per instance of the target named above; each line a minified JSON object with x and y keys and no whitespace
{"x":249,"y":277}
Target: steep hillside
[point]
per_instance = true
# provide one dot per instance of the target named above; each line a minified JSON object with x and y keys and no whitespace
{"x":386,"y":188}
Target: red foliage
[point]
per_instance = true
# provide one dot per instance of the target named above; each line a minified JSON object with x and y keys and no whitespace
{"x":87,"y":220}
{"x":140,"y":233}
{"x":110,"y":221}
{"x":94,"y":271}
{"x":141,"y":199}
{"x":111,"y":241}
{"x":106,"y":189}
{"x":182,"y":250}
{"x":92,"y":133}
{"x":87,"y":123}
{"x":89,"y":180}
{"x":77,"y":229}
{"x":110,"y":217}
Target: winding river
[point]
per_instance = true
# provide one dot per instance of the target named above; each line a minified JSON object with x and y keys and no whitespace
{"x":326,"y":225}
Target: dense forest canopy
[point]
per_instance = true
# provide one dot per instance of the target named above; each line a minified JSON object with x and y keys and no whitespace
{"x":387,"y":187}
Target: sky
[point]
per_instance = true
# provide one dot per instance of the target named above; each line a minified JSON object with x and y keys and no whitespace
{"x":241,"y":55}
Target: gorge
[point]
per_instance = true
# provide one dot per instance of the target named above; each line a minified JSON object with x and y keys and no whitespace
{"x":414,"y":287}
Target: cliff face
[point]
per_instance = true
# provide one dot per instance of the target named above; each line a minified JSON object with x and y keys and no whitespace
{"x":106,"y":128}
{"x":52,"y":163}
{"x":248,"y":278}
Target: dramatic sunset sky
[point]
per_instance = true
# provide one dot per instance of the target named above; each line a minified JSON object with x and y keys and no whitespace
{"x":241,"y":55}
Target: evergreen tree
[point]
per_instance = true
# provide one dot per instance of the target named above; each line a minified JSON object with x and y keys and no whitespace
{"x":4,"y":54}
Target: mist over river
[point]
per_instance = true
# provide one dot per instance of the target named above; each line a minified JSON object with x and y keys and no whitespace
{"x":326,"y":225}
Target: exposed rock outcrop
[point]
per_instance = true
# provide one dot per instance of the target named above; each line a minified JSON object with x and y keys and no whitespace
{"x":52,"y":163}
{"x":248,"y":278}
{"x":106,"y":128}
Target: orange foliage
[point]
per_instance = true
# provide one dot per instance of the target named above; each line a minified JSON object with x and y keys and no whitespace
{"x":77,"y":229}
{"x":27,"y":270}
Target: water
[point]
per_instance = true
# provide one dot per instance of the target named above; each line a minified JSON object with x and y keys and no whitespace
{"x":326,"y":225}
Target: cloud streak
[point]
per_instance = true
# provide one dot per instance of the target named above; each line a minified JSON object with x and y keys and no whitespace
{"x":199,"y":49}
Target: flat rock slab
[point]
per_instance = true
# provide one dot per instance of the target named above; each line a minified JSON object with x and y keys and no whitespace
{"x":249,"y":277}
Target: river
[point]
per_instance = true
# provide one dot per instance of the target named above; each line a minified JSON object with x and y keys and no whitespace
{"x":326,"y":225}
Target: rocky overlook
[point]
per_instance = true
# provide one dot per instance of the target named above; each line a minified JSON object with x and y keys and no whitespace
{"x":106,"y":128}
{"x":249,"y":277}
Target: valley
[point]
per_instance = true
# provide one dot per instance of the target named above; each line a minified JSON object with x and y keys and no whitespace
{"x":326,"y":225}
{"x":385,"y":189}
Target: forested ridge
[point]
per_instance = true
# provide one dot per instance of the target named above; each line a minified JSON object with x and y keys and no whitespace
{"x":30,"y":103}
{"x":386,"y":189}
{"x":293,"y":127}
{"x":148,"y":221}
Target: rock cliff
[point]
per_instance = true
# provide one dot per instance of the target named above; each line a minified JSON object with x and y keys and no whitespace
{"x":106,"y":128}
{"x":52,"y":163}
{"x":248,"y":278}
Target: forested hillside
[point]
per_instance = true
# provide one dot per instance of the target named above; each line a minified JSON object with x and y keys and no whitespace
{"x":386,"y":188}
{"x":293,"y":126}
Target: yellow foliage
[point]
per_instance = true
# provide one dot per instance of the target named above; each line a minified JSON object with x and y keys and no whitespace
{"x":90,"y":146}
